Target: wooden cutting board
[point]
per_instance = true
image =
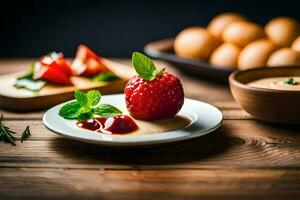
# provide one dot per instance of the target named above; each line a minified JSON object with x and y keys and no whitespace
{"x":14,"y":99}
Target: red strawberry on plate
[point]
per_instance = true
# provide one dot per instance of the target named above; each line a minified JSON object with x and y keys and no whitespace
{"x":152,"y":94}
{"x":87,"y":63}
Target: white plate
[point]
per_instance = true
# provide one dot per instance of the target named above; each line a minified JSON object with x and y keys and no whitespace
{"x":205,"y":119}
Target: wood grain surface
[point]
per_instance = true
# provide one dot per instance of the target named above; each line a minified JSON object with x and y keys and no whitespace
{"x":244,"y":159}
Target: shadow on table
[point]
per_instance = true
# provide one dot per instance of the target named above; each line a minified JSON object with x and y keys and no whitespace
{"x":292,"y":128}
{"x":193,"y":150}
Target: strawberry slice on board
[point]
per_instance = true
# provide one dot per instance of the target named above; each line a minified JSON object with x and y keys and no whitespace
{"x":57,"y":60}
{"x":51,"y":74}
{"x":87,"y":63}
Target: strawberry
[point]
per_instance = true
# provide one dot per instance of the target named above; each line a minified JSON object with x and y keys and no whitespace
{"x":53,"y":68}
{"x":152,"y":94}
{"x":58,"y":60}
{"x":53,"y":74}
{"x":87,"y":63}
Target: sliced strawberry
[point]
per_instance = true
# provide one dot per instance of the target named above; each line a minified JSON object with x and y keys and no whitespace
{"x":55,"y":74}
{"x":58,"y":60}
{"x":52,"y":74}
{"x":87,"y":63}
{"x":64,"y":65}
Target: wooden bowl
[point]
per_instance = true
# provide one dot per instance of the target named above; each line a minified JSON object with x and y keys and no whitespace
{"x":279,"y":106}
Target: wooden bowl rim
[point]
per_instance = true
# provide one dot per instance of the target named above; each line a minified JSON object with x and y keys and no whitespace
{"x":235,"y":82}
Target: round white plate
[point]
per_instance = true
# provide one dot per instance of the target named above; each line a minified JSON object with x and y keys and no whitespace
{"x":205,"y":119}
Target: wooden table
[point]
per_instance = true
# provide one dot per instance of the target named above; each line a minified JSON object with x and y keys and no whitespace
{"x":244,"y":159}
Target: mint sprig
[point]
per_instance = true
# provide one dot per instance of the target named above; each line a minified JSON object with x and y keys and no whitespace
{"x":86,"y":106}
{"x":144,"y":66}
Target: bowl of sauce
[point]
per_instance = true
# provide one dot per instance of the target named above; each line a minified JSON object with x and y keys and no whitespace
{"x":268,"y":94}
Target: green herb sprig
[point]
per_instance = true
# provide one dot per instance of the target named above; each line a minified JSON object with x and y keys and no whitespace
{"x":144,"y":66}
{"x":290,"y":81}
{"x":26,"y":133}
{"x":6,"y":134}
{"x":86,"y":106}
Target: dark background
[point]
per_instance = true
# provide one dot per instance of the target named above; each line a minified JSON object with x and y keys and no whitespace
{"x":112,"y":28}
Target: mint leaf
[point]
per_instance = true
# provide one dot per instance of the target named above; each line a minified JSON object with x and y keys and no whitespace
{"x":70,"y":110}
{"x":86,"y":106}
{"x":106,"y":110}
{"x":144,"y":66}
{"x":93,"y":97}
{"x":85,"y":115}
{"x":81,"y":97}
{"x":105,"y":77}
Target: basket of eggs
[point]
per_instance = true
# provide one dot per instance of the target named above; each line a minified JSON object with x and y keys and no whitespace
{"x":231,"y":42}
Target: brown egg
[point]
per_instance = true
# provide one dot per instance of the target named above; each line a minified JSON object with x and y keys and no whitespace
{"x":296,"y":44}
{"x":256,"y":54}
{"x":225,"y":55}
{"x":242,"y":33}
{"x":284,"y":57}
{"x":282,"y":30}
{"x":195,"y":42}
{"x":218,"y":23}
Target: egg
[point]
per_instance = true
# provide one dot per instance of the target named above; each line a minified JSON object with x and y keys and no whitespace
{"x":242,"y":33}
{"x":296,"y":44}
{"x":282,"y":30}
{"x":195,"y":42}
{"x":226,"y":55}
{"x":256,"y":54}
{"x":284,"y":57}
{"x":218,"y":23}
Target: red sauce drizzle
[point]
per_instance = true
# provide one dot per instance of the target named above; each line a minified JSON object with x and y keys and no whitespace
{"x":120,"y":124}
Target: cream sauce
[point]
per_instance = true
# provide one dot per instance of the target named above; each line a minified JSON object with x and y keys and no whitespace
{"x":159,"y":126}
{"x":276,"y":83}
